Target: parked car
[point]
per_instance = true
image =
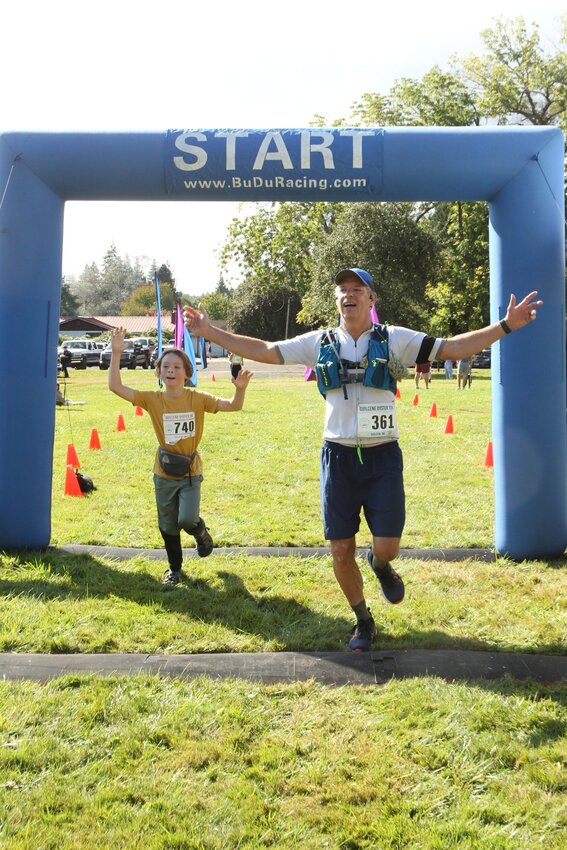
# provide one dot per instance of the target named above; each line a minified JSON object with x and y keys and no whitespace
{"x":483,"y":359}
{"x":132,"y":356}
{"x":83,"y":353}
{"x":146,"y":342}
{"x":154,"y":355}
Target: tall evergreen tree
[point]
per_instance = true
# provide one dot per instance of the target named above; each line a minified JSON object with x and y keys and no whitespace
{"x":69,"y":303}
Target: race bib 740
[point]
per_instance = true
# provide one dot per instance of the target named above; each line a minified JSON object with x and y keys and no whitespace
{"x":178,"y":426}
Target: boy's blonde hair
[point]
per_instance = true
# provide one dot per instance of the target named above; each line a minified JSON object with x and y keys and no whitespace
{"x":182,"y":356}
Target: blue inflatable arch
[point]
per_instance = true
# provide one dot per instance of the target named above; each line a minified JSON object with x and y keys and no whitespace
{"x":519,"y":171}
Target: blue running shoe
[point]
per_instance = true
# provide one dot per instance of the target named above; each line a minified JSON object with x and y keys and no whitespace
{"x":362,"y":635}
{"x":391,"y":583}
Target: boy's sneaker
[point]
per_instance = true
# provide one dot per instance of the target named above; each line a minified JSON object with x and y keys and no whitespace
{"x":391,"y":583}
{"x":362,"y":635}
{"x":203,"y":539}
{"x":171,"y":578}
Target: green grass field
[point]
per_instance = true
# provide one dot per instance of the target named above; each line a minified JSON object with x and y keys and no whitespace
{"x":209,"y":765}
{"x":261,"y":482}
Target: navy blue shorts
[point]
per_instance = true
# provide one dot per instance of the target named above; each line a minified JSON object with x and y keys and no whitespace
{"x":376,"y":486}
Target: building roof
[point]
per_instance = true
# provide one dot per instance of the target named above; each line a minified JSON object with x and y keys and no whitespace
{"x":139,"y":324}
{"x":132,"y":324}
{"x":82,"y":323}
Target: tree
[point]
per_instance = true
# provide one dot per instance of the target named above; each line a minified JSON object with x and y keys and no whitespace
{"x":216,"y":304}
{"x":104,"y":293}
{"x":458,"y":296}
{"x":515,"y":81}
{"x":143,"y":300}
{"x":386,"y":239}
{"x":266,"y":313}
{"x":273,"y":249}
{"x":69,"y":303}
{"x":119,"y":279}
{"x":440,"y":99}
{"x":165,"y":275}
{"x":87,"y":289}
{"x":222,"y":288}
{"x":274,"y":245}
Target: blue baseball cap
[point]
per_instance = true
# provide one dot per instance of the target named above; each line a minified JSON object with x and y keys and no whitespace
{"x":365,"y":277}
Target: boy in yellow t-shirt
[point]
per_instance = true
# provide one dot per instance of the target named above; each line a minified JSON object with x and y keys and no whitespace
{"x":177,"y":414}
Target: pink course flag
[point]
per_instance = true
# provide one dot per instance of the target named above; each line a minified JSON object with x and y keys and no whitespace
{"x":374,"y":315}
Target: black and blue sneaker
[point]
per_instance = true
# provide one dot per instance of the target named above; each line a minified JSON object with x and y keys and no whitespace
{"x":362,"y":635}
{"x":172,"y":578}
{"x":391,"y":583}
{"x":203,"y":539}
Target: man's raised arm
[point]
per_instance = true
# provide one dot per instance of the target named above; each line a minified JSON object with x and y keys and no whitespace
{"x":467,"y":344}
{"x":197,"y":322}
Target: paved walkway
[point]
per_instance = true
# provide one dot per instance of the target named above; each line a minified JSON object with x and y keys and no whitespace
{"x":331,"y":668}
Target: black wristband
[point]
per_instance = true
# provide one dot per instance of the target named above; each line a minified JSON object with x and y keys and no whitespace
{"x":505,"y":327}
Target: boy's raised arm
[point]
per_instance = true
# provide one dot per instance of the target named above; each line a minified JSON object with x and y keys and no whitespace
{"x":235,"y":403}
{"x":115,"y":385}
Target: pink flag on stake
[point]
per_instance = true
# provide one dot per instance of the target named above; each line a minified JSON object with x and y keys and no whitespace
{"x":374,"y":315}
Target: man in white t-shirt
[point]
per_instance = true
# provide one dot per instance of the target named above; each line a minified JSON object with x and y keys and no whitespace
{"x":361,"y":462}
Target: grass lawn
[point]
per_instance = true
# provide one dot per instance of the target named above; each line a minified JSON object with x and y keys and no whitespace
{"x":159,"y":763}
{"x":261,"y":465}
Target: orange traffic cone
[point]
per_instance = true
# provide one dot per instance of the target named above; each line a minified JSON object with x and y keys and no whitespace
{"x":120,"y":426}
{"x":95,"y":442}
{"x":72,"y":456}
{"x":213,"y":377}
{"x":71,"y":483}
{"x":433,"y":414}
{"x":449,"y":426}
{"x":415,"y":401}
{"x":488,"y":457}
{"x":139,"y":411}
{"x":398,"y":393}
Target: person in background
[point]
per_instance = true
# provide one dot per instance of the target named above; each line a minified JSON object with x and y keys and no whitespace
{"x":422,"y":370}
{"x":464,"y":366}
{"x":65,"y":360}
{"x":236,"y":363}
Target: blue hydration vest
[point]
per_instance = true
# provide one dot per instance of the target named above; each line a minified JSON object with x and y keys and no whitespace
{"x":332,"y":371}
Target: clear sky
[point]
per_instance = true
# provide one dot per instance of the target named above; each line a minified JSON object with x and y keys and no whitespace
{"x":130,"y":65}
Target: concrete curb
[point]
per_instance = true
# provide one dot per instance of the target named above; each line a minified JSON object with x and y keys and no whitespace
{"x":328,"y":668}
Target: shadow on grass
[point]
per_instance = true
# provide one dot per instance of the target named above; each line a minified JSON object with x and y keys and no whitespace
{"x":558,"y":563}
{"x":292,"y":625}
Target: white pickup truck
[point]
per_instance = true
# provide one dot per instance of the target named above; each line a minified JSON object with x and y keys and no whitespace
{"x":84,"y":352}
